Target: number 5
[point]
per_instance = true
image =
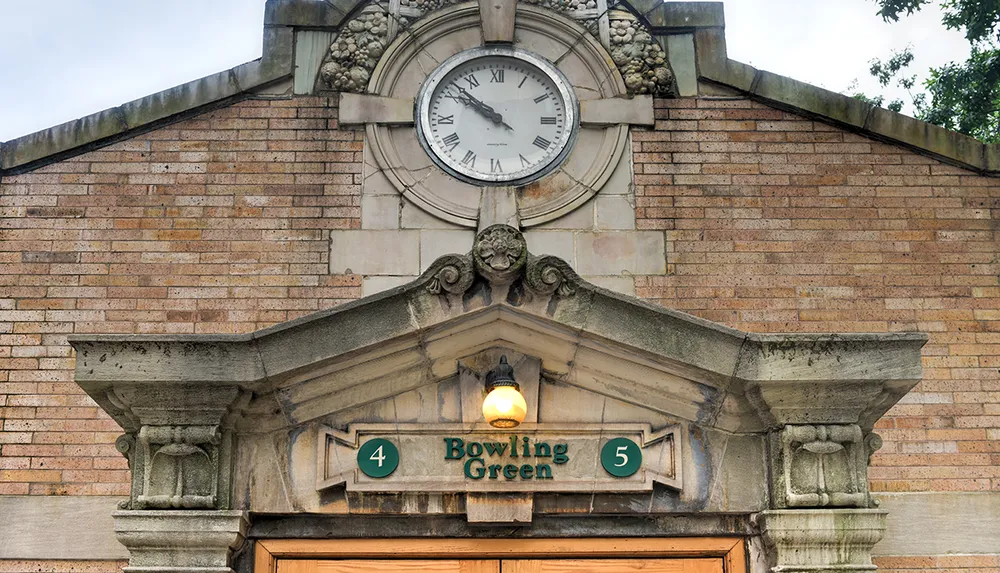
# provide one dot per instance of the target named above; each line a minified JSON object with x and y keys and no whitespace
{"x":378,"y":456}
{"x":620,"y":453}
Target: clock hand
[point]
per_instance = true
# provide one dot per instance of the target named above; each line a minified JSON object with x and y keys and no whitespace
{"x":469,"y":101}
{"x":488,"y":111}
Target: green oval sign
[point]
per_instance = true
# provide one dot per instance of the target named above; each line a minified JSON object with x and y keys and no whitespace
{"x":621,"y":457}
{"x":378,"y":458}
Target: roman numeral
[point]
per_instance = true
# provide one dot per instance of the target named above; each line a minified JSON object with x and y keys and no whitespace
{"x":495,"y":166}
{"x":496,"y":76}
{"x":542,"y":142}
{"x":541,"y":98}
{"x":524,"y":79}
{"x":450,"y":119}
{"x":524,"y":162}
{"x":545,"y":121}
{"x":469,"y":159}
{"x":451,"y":141}
{"x":473,"y":82}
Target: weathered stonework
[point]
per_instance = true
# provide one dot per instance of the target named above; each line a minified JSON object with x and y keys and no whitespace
{"x":640,"y":58}
{"x":818,"y":540}
{"x":356,"y":50}
{"x":180,"y":541}
{"x":821,"y":466}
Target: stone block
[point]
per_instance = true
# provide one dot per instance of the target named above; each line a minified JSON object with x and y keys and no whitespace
{"x":680,"y":52}
{"x":39,"y":527}
{"x":495,"y":508}
{"x":372,"y":252}
{"x":832,"y":105}
{"x":615,"y":212}
{"x":621,"y":180}
{"x":822,"y":540}
{"x":710,"y":54}
{"x":311,"y":47}
{"x":306,"y":12}
{"x":180,"y":541}
{"x":414,"y":217}
{"x":63,"y":137}
{"x":581,"y":218}
{"x":684,"y":14}
{"x":357,"y":109}
{"x":498,"y":20}
{"x":637,"y":110}
{"x":964,"y":522}
{"x":379,"y":212}
{"x":434,"y":243}
{"x":614,"y":253}
{"x":556,"y":243}
{"x":376,"y":284}
{"x":498,"y":206}
{"x":930,"y":137}
{"x":622,"y":285}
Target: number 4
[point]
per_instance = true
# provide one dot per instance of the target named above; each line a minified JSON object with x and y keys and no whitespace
{"x":378,"y":456}
{"x":619,"y":453}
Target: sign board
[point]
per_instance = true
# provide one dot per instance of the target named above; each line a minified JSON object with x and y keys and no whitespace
{"x":540,"y":457}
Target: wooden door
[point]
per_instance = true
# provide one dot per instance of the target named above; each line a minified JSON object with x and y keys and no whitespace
{"x":611,"y":566}
{"x":607,"y":555}
{"x":500,"y":566}
{"x":389,"y":566}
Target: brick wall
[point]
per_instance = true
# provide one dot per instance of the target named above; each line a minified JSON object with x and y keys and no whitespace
{"x":773,"y":222}
{"x":781,"y":224}
{"x":218,"y":224}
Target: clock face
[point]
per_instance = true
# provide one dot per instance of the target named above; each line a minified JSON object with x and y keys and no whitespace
{"x":497,"y":115}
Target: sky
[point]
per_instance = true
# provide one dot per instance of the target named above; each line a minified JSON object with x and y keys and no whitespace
{"x":63,"y":59}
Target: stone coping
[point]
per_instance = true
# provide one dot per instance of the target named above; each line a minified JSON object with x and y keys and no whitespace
{"x":153,"y":111}
{"x":704,"y":19}
{"x":841,"y":110}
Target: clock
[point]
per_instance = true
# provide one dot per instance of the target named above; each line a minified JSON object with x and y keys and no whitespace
{"x":497,"y":116}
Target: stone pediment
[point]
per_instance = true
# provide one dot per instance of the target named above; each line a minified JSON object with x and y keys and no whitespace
{"x":413,"y":335}
{"x":246,"y":415}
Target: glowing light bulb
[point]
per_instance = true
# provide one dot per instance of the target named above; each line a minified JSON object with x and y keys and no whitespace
{"x":504,"y":407}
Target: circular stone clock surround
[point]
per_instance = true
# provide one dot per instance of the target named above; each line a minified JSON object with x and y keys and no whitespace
{"x":425,"y":45}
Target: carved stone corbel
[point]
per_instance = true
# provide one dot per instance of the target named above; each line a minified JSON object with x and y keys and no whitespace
{"x":186,"y":464}
{"x":821,"y":465}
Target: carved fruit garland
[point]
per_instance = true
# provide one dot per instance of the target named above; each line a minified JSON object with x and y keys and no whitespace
{"x":362,"y":40}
